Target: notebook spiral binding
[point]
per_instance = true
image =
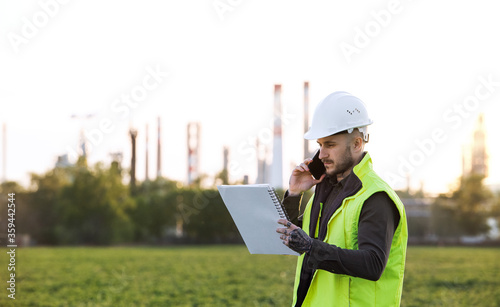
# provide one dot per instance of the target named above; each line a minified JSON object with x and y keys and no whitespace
{"x":277,"y":203}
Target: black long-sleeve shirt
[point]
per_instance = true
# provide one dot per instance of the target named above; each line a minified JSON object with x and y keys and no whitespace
{"x":378,"y":221}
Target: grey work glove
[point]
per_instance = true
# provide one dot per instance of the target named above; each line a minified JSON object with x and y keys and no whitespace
{"x":299,"y":241}
{"x":294,"y":237}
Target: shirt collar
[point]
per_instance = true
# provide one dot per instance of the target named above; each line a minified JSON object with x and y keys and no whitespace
{"x":341,"y":183}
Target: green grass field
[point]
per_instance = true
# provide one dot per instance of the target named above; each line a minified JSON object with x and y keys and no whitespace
{"x":225,"y":276}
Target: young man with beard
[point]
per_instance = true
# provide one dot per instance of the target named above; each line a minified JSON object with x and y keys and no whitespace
{"x":352,"y":235}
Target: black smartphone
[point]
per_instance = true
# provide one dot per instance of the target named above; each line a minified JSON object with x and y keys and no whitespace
{"x":316,"y":167}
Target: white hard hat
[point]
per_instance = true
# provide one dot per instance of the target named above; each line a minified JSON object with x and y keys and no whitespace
{"x":337,"y":112}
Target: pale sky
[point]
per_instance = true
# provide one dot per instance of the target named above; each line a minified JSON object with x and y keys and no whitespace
{"x":425,"y":70}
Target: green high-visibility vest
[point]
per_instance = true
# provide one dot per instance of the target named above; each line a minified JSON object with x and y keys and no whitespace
{"x":329,"y":289}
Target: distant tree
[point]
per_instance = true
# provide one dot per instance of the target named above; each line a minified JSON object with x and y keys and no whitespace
{"x":443,"y":218}
{"x":198,"y":182}
{"x":205,"y":218}
{"x":42,"y":203}
{"x":495,"y":209}
{"x":80,"y":205}
{"x":19,"y":215}
{"x":93,"y":207}
{"x":464,"y":211}
{"x":222,"y":178}
{"x":154,"y":214}
{"x":471,"y":200}
{"x":10,"y":187}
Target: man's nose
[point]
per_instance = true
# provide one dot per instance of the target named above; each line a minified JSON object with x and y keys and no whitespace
{"x":322,"y":153}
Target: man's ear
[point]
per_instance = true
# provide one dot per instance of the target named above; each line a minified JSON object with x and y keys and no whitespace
{"x":358,"y":144}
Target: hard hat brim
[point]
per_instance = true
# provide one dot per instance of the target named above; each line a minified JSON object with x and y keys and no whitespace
{"x":312,"y":134}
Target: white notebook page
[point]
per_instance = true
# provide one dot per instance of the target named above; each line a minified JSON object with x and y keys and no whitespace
{"x":255,"y":214}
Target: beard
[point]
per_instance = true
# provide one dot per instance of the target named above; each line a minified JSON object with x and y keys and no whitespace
{"x":344,"y":163}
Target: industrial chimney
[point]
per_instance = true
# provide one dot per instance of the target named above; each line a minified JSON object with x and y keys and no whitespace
{"x":262,"y":176}
{"x":277,"y":164}
{"x":306,"y":119}
{"x":147,"y":153}
{"x":225,"y":167}
{"x":193,"y":147}
{"x":133,"y":136}
{"x":158,"y":164}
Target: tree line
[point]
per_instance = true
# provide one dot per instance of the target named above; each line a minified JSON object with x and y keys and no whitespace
{"x":91,"y":205}
{"x":466,"y":210}
{"x":83,"y":205}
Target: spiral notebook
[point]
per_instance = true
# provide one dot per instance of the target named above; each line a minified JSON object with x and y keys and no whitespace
{"x":255,"y":209}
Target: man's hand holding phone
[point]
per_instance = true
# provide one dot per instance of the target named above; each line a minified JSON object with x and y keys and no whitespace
{"x":302,"y":180}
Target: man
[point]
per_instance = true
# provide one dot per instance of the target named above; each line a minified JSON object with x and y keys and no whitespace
{"x":354,"y":233}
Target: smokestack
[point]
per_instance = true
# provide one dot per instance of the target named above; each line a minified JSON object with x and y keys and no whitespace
{"x":133,"y":136}
{"x":4,"y":152}
{"x":193,"y":144}
{"x":158,"y":162}
{"x":259,"y":171}
{"x":225,"y":169}
{"x":306,"y":119}
{"x":277,"y":165}
{"x":479,"y":156}
{"x":262,"y":176}
{"x":147,"y":153}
